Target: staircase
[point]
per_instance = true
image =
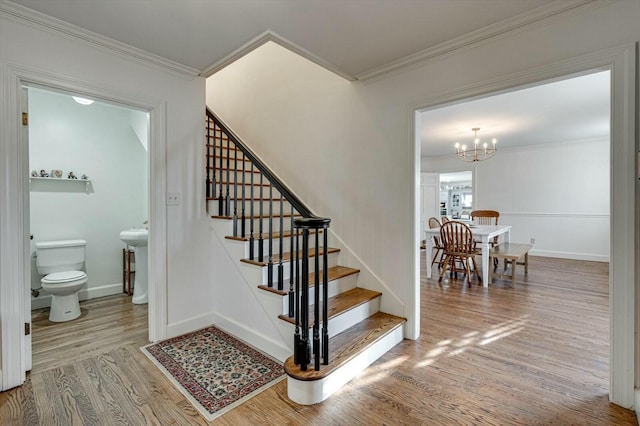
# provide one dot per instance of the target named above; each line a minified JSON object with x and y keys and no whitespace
{"x":330,"y":321}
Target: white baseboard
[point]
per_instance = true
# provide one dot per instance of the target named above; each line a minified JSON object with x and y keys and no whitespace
{"x":569,"y":255}
{"x":191,"y":324}
{"x":272,"y":348}
{"x":637,"y":406}
{"x":44,"y":299}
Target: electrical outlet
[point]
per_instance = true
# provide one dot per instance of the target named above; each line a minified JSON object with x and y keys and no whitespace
{"x":533,"y":240}
{"x":173,"y":198}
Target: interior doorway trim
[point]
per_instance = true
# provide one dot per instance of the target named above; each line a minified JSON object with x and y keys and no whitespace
{"x":623,"y":280}
{"x":14,"y":220}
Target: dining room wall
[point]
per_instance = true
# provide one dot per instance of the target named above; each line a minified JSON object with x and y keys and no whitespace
{"x":555,"y":193}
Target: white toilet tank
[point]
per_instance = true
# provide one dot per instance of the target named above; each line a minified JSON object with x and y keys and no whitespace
{"x":60,"y":256}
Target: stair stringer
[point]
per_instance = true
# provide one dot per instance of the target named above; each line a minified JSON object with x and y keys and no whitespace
{"x":389,"y":303}
{"x":256,"y":324}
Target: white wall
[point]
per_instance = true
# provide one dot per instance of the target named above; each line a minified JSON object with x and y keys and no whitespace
{"x":97,"y":140}
{"x":351,"y":142}
{"x":27,"y":46}
{"x":555,"y":193}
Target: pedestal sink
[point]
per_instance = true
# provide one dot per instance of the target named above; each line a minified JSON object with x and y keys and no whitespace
{"x":137,"y":238}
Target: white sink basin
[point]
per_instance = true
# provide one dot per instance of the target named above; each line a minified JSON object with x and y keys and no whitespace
{"x":135,"y":237}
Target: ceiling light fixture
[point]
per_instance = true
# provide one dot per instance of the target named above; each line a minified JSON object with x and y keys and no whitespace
{"x":476,"y":153}
{"x":82,"y":101}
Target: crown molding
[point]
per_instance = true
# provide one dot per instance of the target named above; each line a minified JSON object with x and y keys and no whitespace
{"x":535,"y":17}
{"x":56,"y":26}
{"x":263,"y":38}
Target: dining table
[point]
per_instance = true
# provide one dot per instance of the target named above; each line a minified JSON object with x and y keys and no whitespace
{"x":481,"y":233}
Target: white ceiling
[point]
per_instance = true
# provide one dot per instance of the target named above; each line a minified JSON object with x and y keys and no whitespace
{"x":352,"y":37}
{"x":563,"y":111}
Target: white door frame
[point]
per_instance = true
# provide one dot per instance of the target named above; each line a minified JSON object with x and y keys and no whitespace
{"x":14,"y":225}
{"x":623,"y":267}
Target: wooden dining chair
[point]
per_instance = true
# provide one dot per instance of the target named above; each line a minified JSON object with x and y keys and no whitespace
{"x":487,"y":217}
{"x":459,"y":250}
{"x":437,"y":245}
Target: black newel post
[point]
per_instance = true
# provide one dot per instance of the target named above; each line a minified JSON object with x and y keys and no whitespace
{"x":303,"y":345}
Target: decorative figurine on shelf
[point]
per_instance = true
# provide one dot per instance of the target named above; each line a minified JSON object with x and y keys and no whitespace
{"x":56,"y":173}
{"x":84,"y":177}
{"x":43,"y":173}
{"x":34,"y":173}
{"x":71,"y":176}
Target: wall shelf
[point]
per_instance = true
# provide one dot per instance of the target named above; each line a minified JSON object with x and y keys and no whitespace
{"x":61,"y":181}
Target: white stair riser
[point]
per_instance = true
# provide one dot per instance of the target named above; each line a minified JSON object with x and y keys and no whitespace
{"x":225,"y":227}
{"x":214,"y":210}
{"x":346,"y":319}
{"x":335,"y":287}
{"x":331,"y":262}
{"x":315,"y":391}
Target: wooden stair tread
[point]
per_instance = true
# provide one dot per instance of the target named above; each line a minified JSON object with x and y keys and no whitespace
{"x":340,"y":303}
{"x":275,"y":200}
{"x":247,"y":183}
{"x":346,"y":345}
{"x":334,"y":273}
{"x":231,"y":170}
{"x":231,"y":159}
{"x":257,"y":216}
{"x":265,"y":235}
{"x":286,"y":256}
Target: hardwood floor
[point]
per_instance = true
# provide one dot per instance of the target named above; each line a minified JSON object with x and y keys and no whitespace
{"x":536,"y":354}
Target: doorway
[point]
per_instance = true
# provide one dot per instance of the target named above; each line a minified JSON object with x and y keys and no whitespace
{"x":15,"y":245}
{"x":456,"y":194}
{"x":89,"y":180}
{"x":619,"y":183}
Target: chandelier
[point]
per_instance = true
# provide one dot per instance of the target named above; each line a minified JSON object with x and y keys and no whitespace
{"x":476,"y":153}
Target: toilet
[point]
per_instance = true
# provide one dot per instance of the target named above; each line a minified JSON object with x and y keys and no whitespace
{"x":61,"y":263}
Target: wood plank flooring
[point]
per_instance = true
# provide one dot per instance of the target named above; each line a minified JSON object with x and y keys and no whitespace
{"x":536,"y":354}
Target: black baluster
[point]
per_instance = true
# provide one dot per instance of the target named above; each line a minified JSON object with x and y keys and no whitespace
{"x":213,"y":160}
{"x":281,"y":248}
{"x":208,"y":162}
{"x":295,"y":300}
{"x":270,"y":264}
{"x":220,"y":197}
{"x":244,"y":172}
{"x":251,"y":238}
{"x":325,"y":298}
{"x":305,"y":344}
{"x":291,"y":266}
{"x":235,"y":193}
{"x":316,"y":307}
{"x":227,"y":204}
{"x":260,"y":225}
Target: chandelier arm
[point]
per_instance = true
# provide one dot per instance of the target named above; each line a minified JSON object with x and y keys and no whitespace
{"x":475,"y":154}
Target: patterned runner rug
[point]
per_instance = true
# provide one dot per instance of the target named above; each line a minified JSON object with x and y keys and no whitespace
{"x":215,"y":371}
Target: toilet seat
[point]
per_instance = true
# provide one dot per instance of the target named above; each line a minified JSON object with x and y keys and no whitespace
{"x":64,"y":277}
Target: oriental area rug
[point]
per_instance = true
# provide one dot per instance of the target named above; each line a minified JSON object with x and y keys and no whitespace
{"x":214,"y":371}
